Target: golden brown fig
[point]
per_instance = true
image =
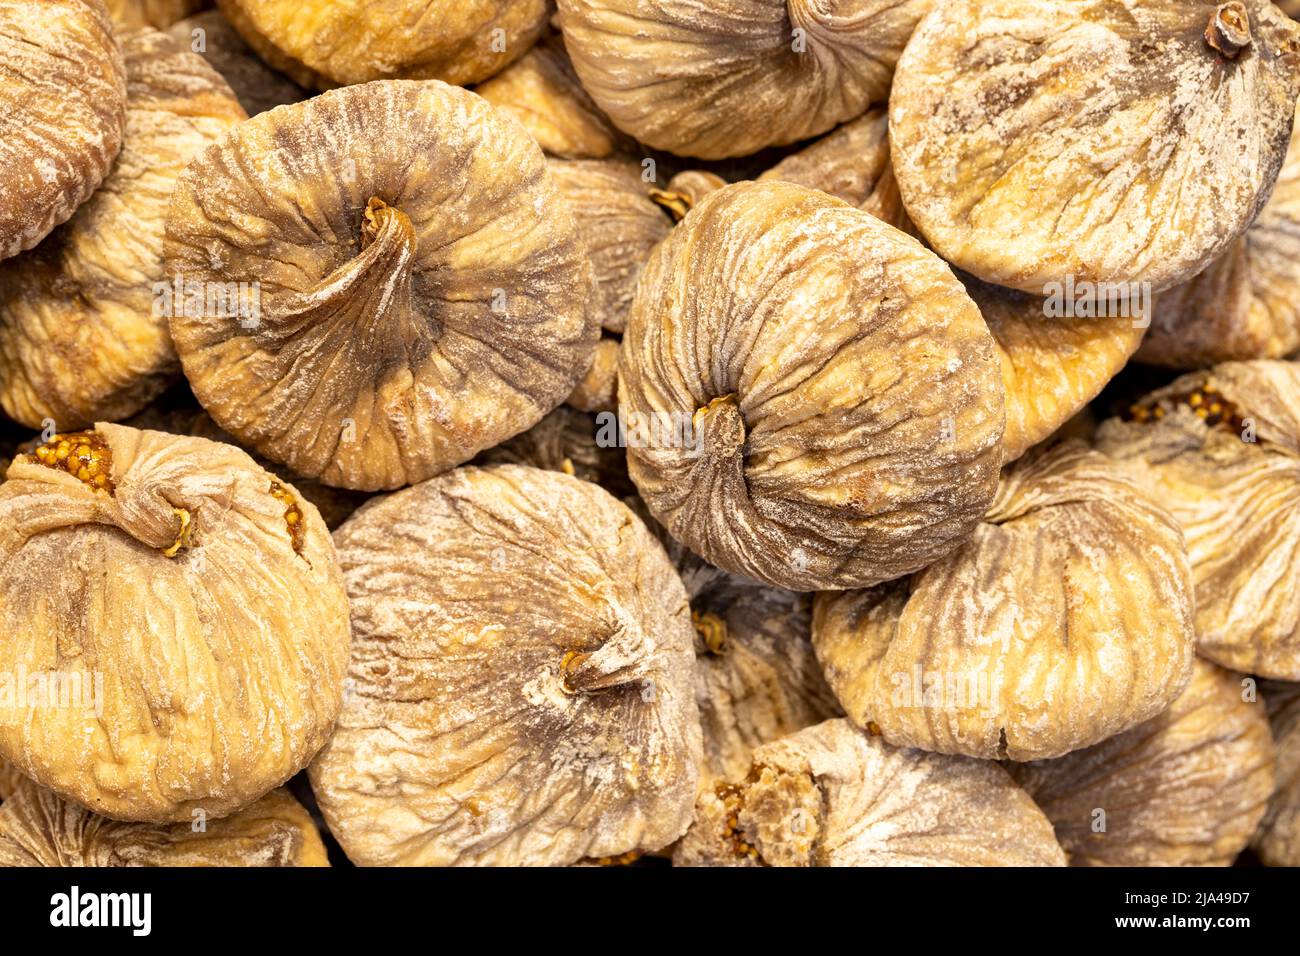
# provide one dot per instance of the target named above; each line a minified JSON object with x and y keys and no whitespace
{"x":729,"y":78}
{"x":159,"y":14}
{"x":1186,"y":788}
{"x":423,"y":292}
{"x":521,"y":678}
{"x":64,"y":105}
{"x":355,"y":41}
{"x":832,"y":795}
{"x":619,"y":225}
{"x":597,"y":390}
{"x":189,"y":607}
{"x":1036,"y":140}
{"x":544,"y":94}
{"x":811,"y":398}
{"x":83,"y":327}
{"x":1244,"y":305}
{"x":1277,"y":841}
{"x":566,"y":441}
{"x":1221,"y":450}
{"x":39,"y":829}
{"x":1065,"y":619}
{"x":257,"y":86}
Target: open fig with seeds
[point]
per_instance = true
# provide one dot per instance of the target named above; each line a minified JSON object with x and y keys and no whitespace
{"x":1111,"y":142}
{"x":729,"y":79}
{"x":83,"y":326}
{"x":37,"y":828}
{"x":64,"y":105}
{"x":422,"y":292}
{"x":1277,"y":841}
{"x":812,"y":399}
{"x":1221,"y":450}
{"x":1185,"y":788}
{"x":189,"y":604}
{"x":1065,"y":619}
{"x":257,"y":86}
{"x":832,"y":795}
{"x":521,"y":685}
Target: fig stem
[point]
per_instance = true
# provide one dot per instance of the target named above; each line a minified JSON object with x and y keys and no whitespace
{"x":1229,"y":29}
{"x":677,"y":204}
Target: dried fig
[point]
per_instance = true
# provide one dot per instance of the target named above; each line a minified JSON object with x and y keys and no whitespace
{"x":82,"y":335}
{"x":832,"y":795}
{"x":597,"y":390}
{"x":9,"y":780}
{"x":566,"y":441}
{"x":423,"y":292}
{"x":39,"y":829}
{"x":355,"y":41}
{"x":187,"y":608}
{"x":811,"y":398}
{"x":730,"y":78}
{"x":1036,"y":140}
{"x":257,"y":86}
{"x":1186,"y":788}
{"x":1065,"y":619}
{"x":1243,"y":305}
{"x":159,"y":14}
{"x":64,"y":104}
{"x":1221,"y":450}
{"x":520,"y":686}
{"x":1277,"y":841}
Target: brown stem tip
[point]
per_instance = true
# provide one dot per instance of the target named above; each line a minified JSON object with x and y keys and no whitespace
{"x":1229,"y":29}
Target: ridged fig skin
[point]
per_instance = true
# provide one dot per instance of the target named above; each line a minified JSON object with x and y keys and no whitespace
{"x":258,"y":86}
{"x":64,"y":103}
{"x":1234,"y":487}
{"x":1244,"y":304}
{"x":424,"y":292}
{"x":832,"y":795}
{"x":39,"y":829}
{"x":835,"y":410}
{"x":1277,"y":841}
{"x":82,"y":334}
{"x":1066,"y":618}
{"x":1185,"y":788}
{"x":220,"y":668}
{"x":521,"y":685}
{"x":731,"y":77}
{"x":1108,"y":141}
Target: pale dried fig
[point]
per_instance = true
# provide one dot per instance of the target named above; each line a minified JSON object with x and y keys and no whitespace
{"x":1186,"y":788}
{"x":82,"y":335}
{"x":1277,"y":841}
{"x":729,"y":78}
{"x":597,"y":390}
{"x":1065,"y":619}
{"x":39,"y":829}
{"x":1111,"y":142}
{"x":565,"y":440}
{"x":1221,"y":450}
{"x":355,"y":41}
{"x":422,"y":290}
{"x":257,"y":86}
{"x":64,"y":104}
{"x":189,"y":604}
{"x":521,"y":678}
{"x":159,"y":14}
{"x":832,"y":795}
{"x":1244,"y":304}
{"x":812,"y":399}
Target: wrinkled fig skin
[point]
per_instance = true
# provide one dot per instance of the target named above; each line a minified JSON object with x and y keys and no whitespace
{"x":521,"y":678}
{"x":731,"y":77}
{"x":832,"y":390}
{"x":159,"y":14}
{"x":221,"y":666}
{"x":82,"y":337}
{"x":597,"y":390}
{"x":343,"y":42}
{"x":1277,"y":841}
{"x":1237,"y":500}
{"x":424,"y":292}
{"x":257,"y":86}
{"x":565,"y":440}
{"x":619,"y":225}
{"x":1109,"y":141}
{"x":1244,"y":305}
{"x":63,"y":98}
{"x":1186,"y":788}
{"x":832,"y":795}
{"x":1065,"y":619}
{"x":39,"y":829}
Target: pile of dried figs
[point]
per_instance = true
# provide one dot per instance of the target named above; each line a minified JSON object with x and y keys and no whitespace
{"x":630,"y":432}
